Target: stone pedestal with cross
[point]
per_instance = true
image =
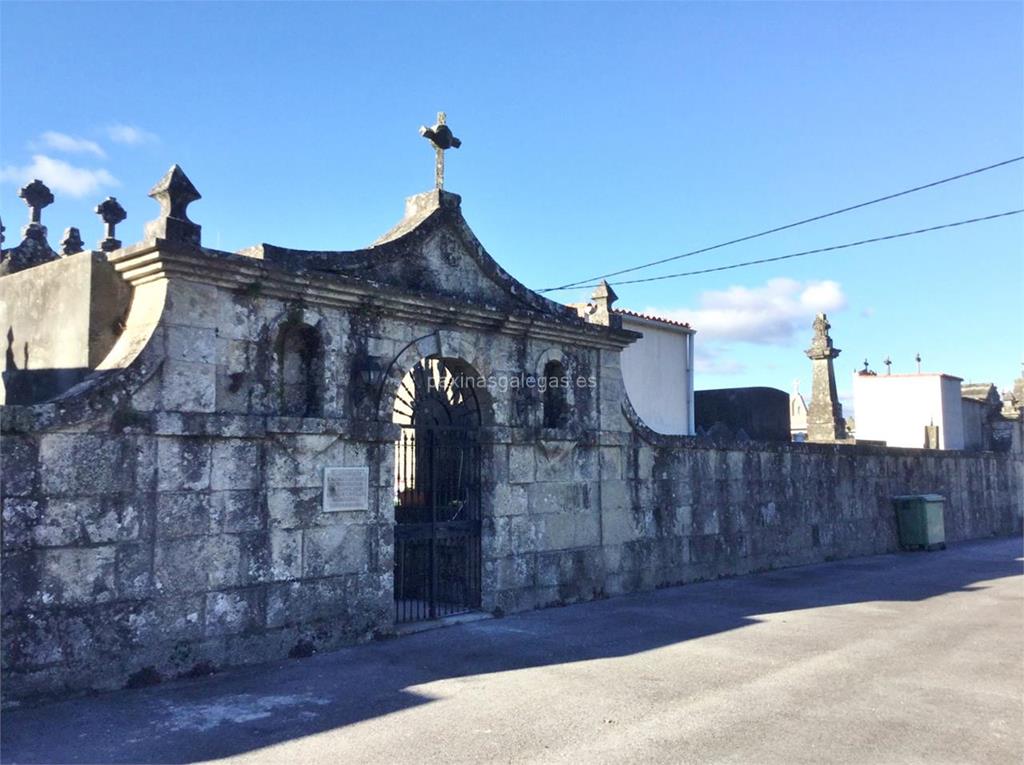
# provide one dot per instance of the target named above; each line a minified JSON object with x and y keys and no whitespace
{"x":825,"y":421}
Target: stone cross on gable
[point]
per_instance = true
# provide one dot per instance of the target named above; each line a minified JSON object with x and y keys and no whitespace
{"x":442,"y":139}
{"x":111,"y":212}
{"x":37,"y":195}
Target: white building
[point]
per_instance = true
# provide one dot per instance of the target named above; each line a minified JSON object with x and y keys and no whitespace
{"x":658,"y":372}
{"x":900,"y":409}
{"x":657,"y":369}
{"x":797,"y":414}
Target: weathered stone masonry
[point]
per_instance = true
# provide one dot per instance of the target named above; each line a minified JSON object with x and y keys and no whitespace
{"x":165,"y":516}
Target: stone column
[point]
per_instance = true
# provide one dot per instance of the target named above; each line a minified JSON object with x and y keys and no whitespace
{"x":825,"y":414}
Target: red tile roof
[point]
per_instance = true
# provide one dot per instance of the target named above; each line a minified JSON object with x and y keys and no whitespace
{"x":634,"y":314}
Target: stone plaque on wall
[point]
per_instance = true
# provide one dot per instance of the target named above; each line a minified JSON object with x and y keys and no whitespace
{"x":346,"y":488}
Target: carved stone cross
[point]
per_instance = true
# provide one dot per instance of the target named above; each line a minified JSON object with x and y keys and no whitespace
{"x":111,"y":212}
{"x":442,"y":139}
{"x":37,"y":195}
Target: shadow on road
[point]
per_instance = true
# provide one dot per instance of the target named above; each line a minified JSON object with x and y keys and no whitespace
{"x":253,"y":707}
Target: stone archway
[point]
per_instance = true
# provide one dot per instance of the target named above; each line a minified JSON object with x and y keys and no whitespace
{"x":437,"y":491}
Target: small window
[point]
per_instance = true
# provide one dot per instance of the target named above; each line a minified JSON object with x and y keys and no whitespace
{"x":299,"y":359}
{"x":556,"y":405}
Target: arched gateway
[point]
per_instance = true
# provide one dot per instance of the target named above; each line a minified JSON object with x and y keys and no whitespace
{"x":437,"y":492}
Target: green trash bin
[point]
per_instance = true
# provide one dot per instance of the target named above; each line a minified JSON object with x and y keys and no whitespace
{"x":919,"y":517}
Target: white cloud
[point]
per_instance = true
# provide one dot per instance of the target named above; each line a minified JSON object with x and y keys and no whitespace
{"x":772,"y":314}
{"x":60,"y":176}
{"x":713,"y":360}
{"x":51,"y":139}
{"x":130,"y":135}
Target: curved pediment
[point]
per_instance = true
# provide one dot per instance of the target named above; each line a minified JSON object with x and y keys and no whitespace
{"x":432,"y":250}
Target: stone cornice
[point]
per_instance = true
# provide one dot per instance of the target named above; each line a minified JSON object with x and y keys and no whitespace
{"x":157,"y":259}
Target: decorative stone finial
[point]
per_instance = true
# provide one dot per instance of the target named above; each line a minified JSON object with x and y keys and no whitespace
{"x":604,"y":293}
{"x":821,"y":344}
{"x":440,"y":136}
{"x":37,"y":195}
{"x":72,"y":241}
{"x":2,"y":229}
{"x":599,"y":309}
{"x":175,"y":193}
{"x":111,"y":212}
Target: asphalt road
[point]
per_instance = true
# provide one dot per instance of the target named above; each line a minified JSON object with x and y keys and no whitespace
{"x":915,"y":657}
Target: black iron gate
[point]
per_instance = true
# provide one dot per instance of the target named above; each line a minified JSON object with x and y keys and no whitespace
{"x":437,"y":524}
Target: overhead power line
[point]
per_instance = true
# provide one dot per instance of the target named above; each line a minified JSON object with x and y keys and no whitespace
{"x":584,"y":282}
{"x":813,"y":252}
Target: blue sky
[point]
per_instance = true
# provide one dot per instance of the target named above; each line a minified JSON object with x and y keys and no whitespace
{"x":596,"y":136}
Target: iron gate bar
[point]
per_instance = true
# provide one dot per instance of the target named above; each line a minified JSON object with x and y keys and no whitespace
{"x":437,"y":531}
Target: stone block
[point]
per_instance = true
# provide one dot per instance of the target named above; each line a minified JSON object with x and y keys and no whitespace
{"x":179,"y":565}
{"x":189,"y":386}
{"x":567,"y":530}
{"x":226,"y":559}
{"x":77,"y":576}
{"x":549,"y":569}
{"x":505,"y":499}
{"x":586,"y":463}
{"x":254,"y":566}
{"x":237,"y":319}
{"x":509,"y":572}
{"x":31,"y":640}
{"x":21,"y":517}
{"x":142,"y":453}
{"x":554,"y":461}
{"x":618,"y":526}
{"x":192,"y":304}
{"x":232,"y":612}
{"x":616,"y":496}
{"x":236,"y":465}
{"x":333,"y":550}
{"x":299,"y":461}
{"x":294,"y":508}
{"x":285,"y":554}
{"x":183,"y":514}
{"x":178,"y":619}
{"x":555,"y":497}
{"x":19,"y":585}
{"x":612,"y":557}
{"x":133,"y":575}
{"x":645,"y":463}
{"x":19,"y":466}
{"x":296,"y":602}
{"x":522,"y":464}
{"x":611,"y":463}
{"x":236,"y":511}
{"x":183,"y":464}
{"x":494,"y":464}
{"x":83,"y":464}
{"x":120,"y":519}
{"x":509,"y":535}
{"x":195,"y":344}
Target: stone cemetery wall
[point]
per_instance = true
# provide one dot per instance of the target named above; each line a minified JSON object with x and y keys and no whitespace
{"x":155,"y":545}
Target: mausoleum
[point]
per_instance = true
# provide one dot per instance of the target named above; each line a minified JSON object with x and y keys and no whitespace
{"x":212,"y":458}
